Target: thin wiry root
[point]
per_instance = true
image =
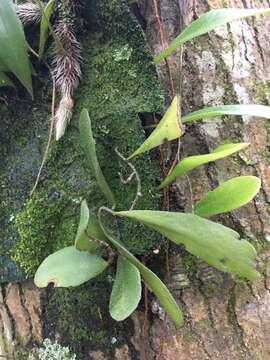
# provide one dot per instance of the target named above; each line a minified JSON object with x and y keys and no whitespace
{"x":67,"y":73}
{"x":63,"y":116}
{"x":28,"y":13}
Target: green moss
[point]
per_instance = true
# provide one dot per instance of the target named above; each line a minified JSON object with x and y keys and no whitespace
{"x":83,"y":319}
{"x":45,"y":225}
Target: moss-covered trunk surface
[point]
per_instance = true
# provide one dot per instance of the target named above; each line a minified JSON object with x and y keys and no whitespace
{"x":225,"y":319}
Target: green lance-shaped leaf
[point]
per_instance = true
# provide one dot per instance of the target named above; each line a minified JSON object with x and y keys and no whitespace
{"x":88,"y":224}
{"x":193,"y":162}
{"x":169,"y":128}
{"x":13,"y":49}
{"x":231,"y":195}
{"x":208,"y":22}
{"x":127,"y":290}
{"x":152,"y":280}
{"x":89,"y":146}
{"x":69,"y":267}
{"x":211,"y":112}
{"x":216,"y":244}
{"x":44,"y":26}
{"x":5,"y":80}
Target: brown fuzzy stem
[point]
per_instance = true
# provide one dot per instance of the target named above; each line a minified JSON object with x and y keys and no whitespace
{"x":28,"y":13}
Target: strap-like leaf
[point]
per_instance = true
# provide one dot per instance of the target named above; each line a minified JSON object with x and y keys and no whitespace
{"x":127,"y":290}
{"x":44,"y":26}
{"x":231,"y":195}
{"x":69,"y":267}
{"x":89,"y":146}
{"x":208,"y":22}
{"x":192,"y":162}
{"x":169,"y":128}
{"x":152,"y":281}
{"x":211,"y":112}
{"x":216,"y":244}
{"x":13,"y":50}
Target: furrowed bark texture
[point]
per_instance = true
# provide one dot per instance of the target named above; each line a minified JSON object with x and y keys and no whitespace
{"x":225,"y":319}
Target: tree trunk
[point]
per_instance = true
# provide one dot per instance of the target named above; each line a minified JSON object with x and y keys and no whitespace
{"x":224,"y":318}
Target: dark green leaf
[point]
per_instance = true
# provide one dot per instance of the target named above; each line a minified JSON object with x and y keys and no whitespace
{"x":126,"y":292}
{"x":208,"y":22}
{"x":152,"y":281}
{"x":231,"y":195}
{"x":169,"y":128}
{"x":89,"y":146}
{"x":212,"y":112}
{"x":13,"y":51}
{"x":44,"y":26}
{"x":192,"y":162}
{"x":214,"y":243}
{"x":69,"y":267}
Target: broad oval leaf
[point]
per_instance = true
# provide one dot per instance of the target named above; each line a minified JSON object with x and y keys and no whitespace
{"x":69,"y":267}
{"x":192,"y":162}
{"x":208,"y":22}
{"x":216,"y":244}
{"x":211,"y":112}
{"x":168,"y":129}
{"x":127,"y":290}
{"x":89,"y":147}
{"x":44,"y":26}
{"x":88,"y":223}
{"x":13,"y":50}
{"x":5,"y":80}
{"x":152,"y":280}
{"x":231,"y":195}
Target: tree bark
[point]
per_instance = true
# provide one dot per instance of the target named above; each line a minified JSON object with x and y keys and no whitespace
{"x":224,"y":318}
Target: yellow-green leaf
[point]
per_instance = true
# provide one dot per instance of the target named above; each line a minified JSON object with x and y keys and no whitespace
{"x":44,"y":26}
{"x":13,"y":49}
{"x":127,"y":290}
{"x":231,"y":195}
{"x":192,"y":162}
{"x":208,"y":22}
{"x":89,"y":147}
{"x":169,"y":128}
{"x":216,"y":244}
{"x":69,"y":267}
{"x":211,"y":112}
